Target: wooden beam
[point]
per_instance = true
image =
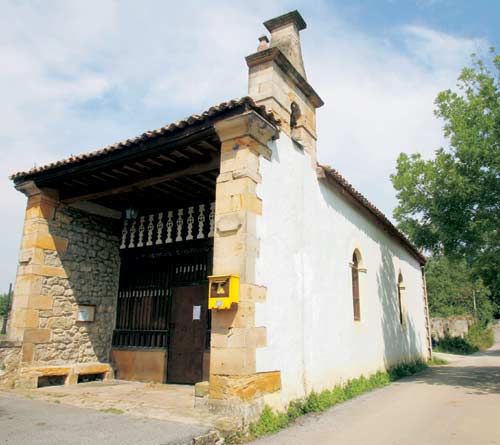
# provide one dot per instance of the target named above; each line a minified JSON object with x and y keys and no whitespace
{"x":207,"y":145}
{"x":129,"y":168}
{"x":109,"y":175}
{"x":119,"y":172}
{"x":97,"y":209}
{"x":191,"y":149}
{"x":179,"y":154}
{"x":166,"y":158}
{"x":99,"y":178}
{"x":200,"y":184}
{"x":170,"y":190}
{"x":152,"y":161}
{"x":191,"y":170}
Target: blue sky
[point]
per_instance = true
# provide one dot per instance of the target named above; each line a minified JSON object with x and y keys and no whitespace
{"x":464,"y":17}
{"x":83,"y":74}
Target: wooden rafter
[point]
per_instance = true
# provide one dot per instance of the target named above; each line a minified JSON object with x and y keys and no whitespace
{"x":191,"y":170}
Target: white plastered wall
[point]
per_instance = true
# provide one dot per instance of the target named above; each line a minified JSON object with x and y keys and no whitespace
{"x":308,"y":233}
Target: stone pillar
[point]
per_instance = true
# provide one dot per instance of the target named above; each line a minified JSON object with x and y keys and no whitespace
{"x":28,"y":299}
{"x":234,"y":339}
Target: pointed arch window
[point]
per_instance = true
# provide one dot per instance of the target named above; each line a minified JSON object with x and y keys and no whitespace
{"x":355,"y":287}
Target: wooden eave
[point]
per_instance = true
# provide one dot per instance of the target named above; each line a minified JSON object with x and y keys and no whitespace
{"x":185,"y":149}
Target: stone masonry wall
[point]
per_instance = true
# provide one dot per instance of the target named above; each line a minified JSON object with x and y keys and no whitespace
{"x":451,"y":327}
{"x":91,"y":263}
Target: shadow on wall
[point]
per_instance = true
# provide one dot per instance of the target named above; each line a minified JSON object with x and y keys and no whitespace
{"x":401,"y":342}
{"x":92,"y":265}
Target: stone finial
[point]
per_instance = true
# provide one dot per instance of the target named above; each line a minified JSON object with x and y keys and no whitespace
{"x":285,"y":36}
{"x":263,"y":43}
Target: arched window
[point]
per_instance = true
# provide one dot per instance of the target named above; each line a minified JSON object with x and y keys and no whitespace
{"x":355,"y":287}
{"x":401,"y":288}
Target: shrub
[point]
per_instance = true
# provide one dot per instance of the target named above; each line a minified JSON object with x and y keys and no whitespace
{"x":406,"y":369}
{"x":479,"y":337}
{"x":269,"y":422}
{"x":454,"y":345}
{"x":295,"y":409}
{"x":312,"y":403}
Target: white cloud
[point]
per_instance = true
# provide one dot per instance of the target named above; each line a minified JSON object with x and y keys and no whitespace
{"x":79,"y":75}
{"x":380,"y":99}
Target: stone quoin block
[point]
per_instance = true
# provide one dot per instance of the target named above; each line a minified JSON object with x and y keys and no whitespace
{"x":232,"y":361}
{"x":37,"y":335}
{"x":244,"y":387}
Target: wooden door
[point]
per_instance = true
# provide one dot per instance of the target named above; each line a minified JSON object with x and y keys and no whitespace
{"x":187,"y":334}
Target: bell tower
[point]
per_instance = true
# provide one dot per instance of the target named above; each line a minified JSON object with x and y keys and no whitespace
{"x":277,"y":79}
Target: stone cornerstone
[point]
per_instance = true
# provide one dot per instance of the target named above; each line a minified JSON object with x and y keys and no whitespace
{"x":234,"y":382}
{"x":68,"y":258}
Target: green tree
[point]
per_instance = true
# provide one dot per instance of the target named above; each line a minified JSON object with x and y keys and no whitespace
{"x":450,"y":204}
{"x":3,"y":304}
{"x":452,"y":289}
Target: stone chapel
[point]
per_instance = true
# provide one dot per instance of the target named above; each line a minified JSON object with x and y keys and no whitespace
{"x":215,"y":249}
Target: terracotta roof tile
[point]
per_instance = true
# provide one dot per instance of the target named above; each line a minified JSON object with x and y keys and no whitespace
{"x":190,"y":120}
{"x":331,"y":173}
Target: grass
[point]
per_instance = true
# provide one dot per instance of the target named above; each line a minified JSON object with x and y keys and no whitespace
{"x":436,"y":361}
{"x":112,"y":411}
{"x":271,"y":422}
{"x":479,"y":338}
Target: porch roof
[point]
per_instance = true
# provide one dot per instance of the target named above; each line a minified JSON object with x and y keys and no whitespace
{"x":178,"y":162}
{"x":217,"y":111}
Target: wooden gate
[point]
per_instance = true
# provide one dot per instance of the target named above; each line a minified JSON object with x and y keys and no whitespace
{"x":149,"y":305}
{"x":187,"y":334}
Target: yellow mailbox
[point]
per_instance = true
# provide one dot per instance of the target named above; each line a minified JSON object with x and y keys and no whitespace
{"x":223,"y":291}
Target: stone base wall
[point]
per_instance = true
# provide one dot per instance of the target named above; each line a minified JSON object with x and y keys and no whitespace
{"x":451,"y":327}
{"x":68,"y":258}
{"x":92,"y":265}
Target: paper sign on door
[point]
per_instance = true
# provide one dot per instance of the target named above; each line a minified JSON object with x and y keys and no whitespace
{"x":196,"y":312}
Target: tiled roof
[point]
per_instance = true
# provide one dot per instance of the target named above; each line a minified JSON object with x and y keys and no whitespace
{"x":148,"y":135}
{"x":331,"y":173}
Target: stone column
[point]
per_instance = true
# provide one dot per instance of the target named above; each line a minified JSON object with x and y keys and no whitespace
{"x":28,"y":299}
{"x":233,"y":377}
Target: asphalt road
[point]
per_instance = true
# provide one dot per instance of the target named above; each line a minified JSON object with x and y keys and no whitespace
{"x":454,"y":404}
{"x":24,"y":421}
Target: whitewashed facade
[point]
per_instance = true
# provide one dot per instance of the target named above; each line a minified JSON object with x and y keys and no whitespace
{"x":310,"y":227}
{"x":308,"y":233}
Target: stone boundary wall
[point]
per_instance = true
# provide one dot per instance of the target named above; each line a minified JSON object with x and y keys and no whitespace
{"x":451,"y":327}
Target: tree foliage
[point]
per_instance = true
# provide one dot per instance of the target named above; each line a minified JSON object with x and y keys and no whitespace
{"x":4,"y":302}
{"x":452,"y":288}
{"x":450,"y":204}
